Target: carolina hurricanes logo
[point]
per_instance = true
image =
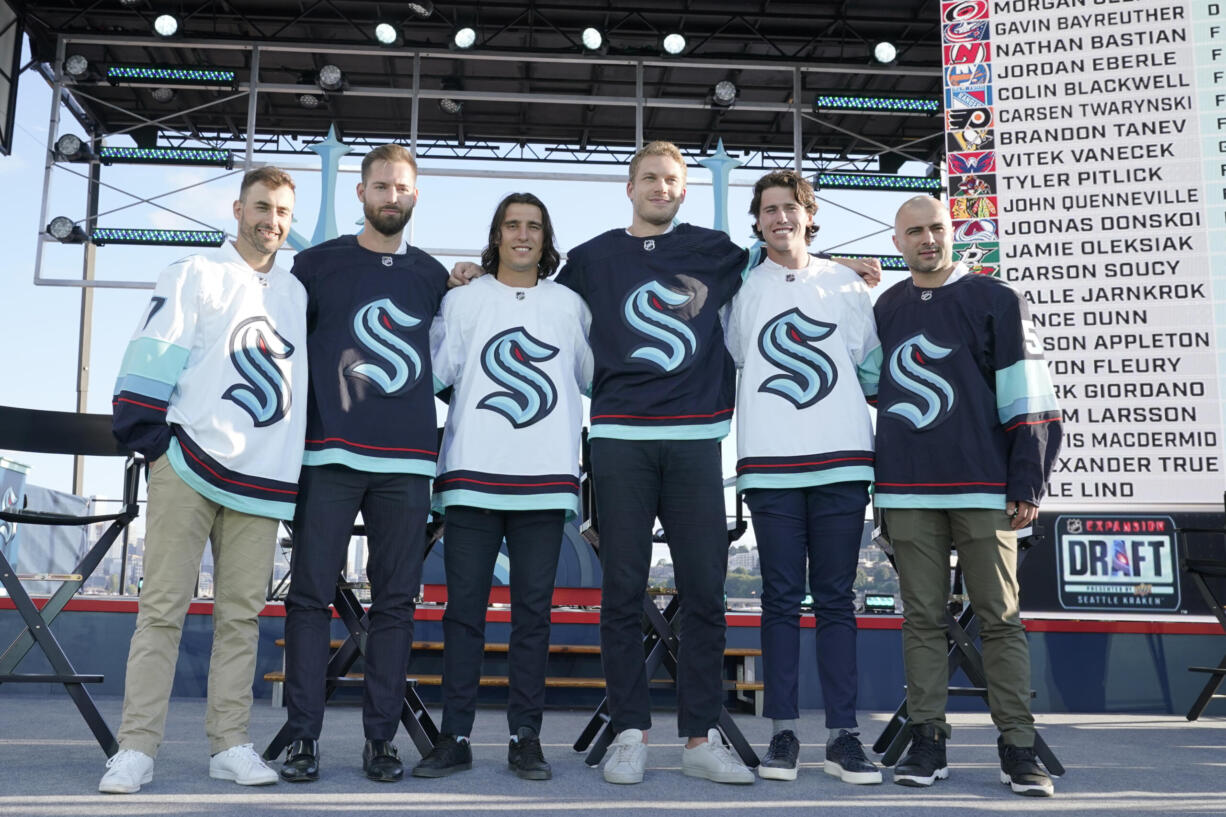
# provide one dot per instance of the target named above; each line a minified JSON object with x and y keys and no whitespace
{"x":372,"y":326}
{"x":811,"y":374}
{"x":8,"y":530}
{"x":255,"y":348}
{"x":507,"y":360}
{"x":646,"y":312}
{"x":934,"y":395}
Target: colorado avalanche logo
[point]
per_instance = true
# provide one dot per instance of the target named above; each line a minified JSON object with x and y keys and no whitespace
{"x":507,"y":360}
{"x":784,"y":341}
{"x":645,"y":312}
{"x":372,"y":326}
{"x":255,"y":348}
{"x":934,"y":395}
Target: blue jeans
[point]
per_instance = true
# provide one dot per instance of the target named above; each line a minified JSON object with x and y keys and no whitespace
{"x":823,"y":525}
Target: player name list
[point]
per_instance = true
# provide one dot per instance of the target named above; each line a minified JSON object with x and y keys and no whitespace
{"x":1111,"y":196}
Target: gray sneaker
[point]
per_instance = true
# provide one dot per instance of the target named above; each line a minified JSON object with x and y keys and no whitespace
{"x":627,"y":758}
{"x":714,"y":761}
{"x":126,"y":771}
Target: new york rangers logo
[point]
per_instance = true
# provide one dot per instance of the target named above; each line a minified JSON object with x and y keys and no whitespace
{"x":255,"y":348}
{"x":934,"y":396}
{"x":507,"y":360}
{"x":401,"y":364}
{"x":785,"y":342}
{"x":646,"y":312}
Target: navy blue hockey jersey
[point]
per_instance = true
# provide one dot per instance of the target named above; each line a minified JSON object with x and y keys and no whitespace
{"x":371,"y":405}
{"x":661,"y":369}
{"x":966,"y":413}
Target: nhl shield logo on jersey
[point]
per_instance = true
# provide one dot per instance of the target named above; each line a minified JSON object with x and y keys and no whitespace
{"x":373,"y":328}
{"x":646,"y":311}
{"x":910,"y":369}
{"x":649,"y":244}
{"x":255,"y":348}
{"x":508,"y":360}
{"x":785,"y":342}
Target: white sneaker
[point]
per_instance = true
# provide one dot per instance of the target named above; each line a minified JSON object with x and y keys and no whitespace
{"x":627,"y":758}
{"x":242,"y":765}
{"x":126,"y":771}
{"x":714,"y":761}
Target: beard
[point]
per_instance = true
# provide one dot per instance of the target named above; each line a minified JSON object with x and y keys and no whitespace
{"x":387,"y":223}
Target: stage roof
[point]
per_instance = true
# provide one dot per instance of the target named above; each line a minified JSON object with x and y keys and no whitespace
{"x":527,"y":87}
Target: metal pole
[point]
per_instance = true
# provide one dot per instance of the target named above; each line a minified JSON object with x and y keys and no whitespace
{"x":85,"y":337}
{"x":53,"y":132}
{"x":252,"y":92}
{"x":797,"y":121}
{"x":638,"y":106}
{"x":413,"y":104}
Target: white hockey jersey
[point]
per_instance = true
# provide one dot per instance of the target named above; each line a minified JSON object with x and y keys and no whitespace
{"x":807,"y":348}
{"x":519,"y":361}
{"x":215,"y":377}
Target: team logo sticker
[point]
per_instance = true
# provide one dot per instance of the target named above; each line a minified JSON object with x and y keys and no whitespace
{"x":972,"y":184}
{"x":968,"y":54}
{"x":975,"y":230}
{"x":972,"y":75}
{"x":786,"y":341}
{"x":255,"y":348}
{"x":968,"y":97}
{"x":374,"y":327}
{"x":965,"y":32}
{"x":962,"y":11}
{"x":509,"y":359}
{"x":983,"y":161}
{"x":649,"y":310}
{"x":982,"y":207}
{"x":931,"y":398}
{"x":961,"y":118}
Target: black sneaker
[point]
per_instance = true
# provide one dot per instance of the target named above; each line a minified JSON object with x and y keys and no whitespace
{"x":782,"y":758}
{"x":845,"y":760}
{"x":449,"y":755}
{"x":1020,"y":770}
{"x":525,"y":757}
{"x":924,"y":763}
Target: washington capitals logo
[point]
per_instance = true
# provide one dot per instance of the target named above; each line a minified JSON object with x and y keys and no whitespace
{"x":646,"y":312}
{"x":507,"y":360}
{"x":934,"y":396}
{"x":372,"y":326}
{"x":255,"y":348}
{"x":811,"y":374}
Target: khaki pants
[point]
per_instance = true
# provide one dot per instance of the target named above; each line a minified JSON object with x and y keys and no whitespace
{"x":987,"y":554}
{"x":180,"y":521}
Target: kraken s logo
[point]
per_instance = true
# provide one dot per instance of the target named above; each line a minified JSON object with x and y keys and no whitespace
{"x":645,"y":312}
{"x":255,"y":348}
{"x":811,"y":373}
{"x":507,"y":360}
{"x":372,"y":326}
{"x":908,"y":367}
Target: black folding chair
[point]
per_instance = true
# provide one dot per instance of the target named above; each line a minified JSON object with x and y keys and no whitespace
{"x":1203,"y":571}
{"x":660,"y":637}
{"x":59,"y":432}
{"x":964,"y":654}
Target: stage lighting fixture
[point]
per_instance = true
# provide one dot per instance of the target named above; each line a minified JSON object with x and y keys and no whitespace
{"x":876,"y":104}
{"x":674,"y":44}
{"x":330,"y":78}
{"x":166,"y":156}
{"x":465,"y":37}
{"x":131,"y":74}
{"x":592,"y":39}
{"x":157,"y":238}
{"x":66,"y":231}
{"x":451,"y":106}
{"x":162,"y":95}
{"x":872,"y":181}
{"x":894,"y":262}
{"x":76,"y":66}
{"x":884,"y":52}
{"x":880,"y":603}
{"x":130,"y":4}
{"x":166,"y":25}
{"x":724,"y":93}
{"x":385,"y":33}
{"x":71,"y":148}
{"x":422,"y":8}
{"x":308,"y":101}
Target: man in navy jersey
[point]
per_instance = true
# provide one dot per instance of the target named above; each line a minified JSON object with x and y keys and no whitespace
{"x":967,"y":431}
{"x":371,"y":447}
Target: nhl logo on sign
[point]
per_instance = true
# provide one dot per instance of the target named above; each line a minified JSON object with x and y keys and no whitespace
{"x":387,"y":260}
{"x":649,"y":244}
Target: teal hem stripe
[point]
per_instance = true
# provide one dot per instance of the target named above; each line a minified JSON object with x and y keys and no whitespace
{"x":374,"y":465}
{"x":613,"y":431}
{"x":994,"y":502}
{"x":507,"y":502}
{"x":852,"y":473}
{"x":154,"y":359}
{"x":243,"y":504}
{"x":146,"y":386}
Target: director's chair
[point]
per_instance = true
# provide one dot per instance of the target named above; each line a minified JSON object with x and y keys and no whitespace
{"x":1203,"y":571}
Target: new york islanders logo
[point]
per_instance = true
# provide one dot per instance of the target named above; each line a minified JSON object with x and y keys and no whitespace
{"x":934,"y":397}
{"x":785,"y":342}
{"x":646,"y":312}
{"x":255,"y":348}
{"x":508,"y":360}
{"x":373,"y":326}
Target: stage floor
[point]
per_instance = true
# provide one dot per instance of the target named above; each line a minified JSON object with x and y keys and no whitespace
{"x":1117,"y":764}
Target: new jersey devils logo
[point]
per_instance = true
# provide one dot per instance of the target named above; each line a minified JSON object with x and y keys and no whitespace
{"x":786,"y":342}
{"x":401,"y":364}
{"x":508,"y":360}
{"x":255,"y":348}
{"x":934,"y":396}
{"x":646,"y":312}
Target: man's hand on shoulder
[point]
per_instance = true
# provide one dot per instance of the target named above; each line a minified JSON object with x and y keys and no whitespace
{"x":869,"y":269}
{"x":463,"y":272}
{"x":1021,"y":514}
